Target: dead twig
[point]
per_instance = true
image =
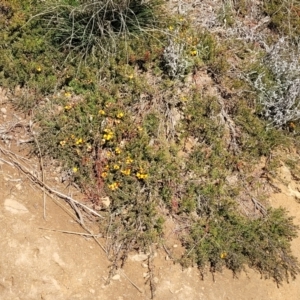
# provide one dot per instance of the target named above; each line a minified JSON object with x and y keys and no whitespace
{"x":151,"y":275}
{"x":197,"y":243}
{"x":41,"y":166}
{"x":72,"y":232}
{"x":42,"y":184}
{"x":5,"y":161}
{"x":167,"y":251}
{"x":259,"y":206}
{"x":73,"y":203}
{"x":123,"y":273}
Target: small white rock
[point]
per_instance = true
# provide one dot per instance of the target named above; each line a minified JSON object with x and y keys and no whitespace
{"x":155,"y":279}
{"x":14,"y":206}
{"x":116,"y":277}
{"x":175,"y":246}
{"x":105,"y":202}
{"x":138,"y":257}
{"x":145,"y":265}
{"x":3,"y":110}
{"x":19,"y":186}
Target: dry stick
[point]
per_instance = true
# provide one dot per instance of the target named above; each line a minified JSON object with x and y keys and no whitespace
{"x":186,"y":255}
{"x":77,"y":218}
{"x":64,"y":208}
{"x":77,"y":211}
{"x":36,"y":179}
{"x":151,"y":276}
{"x":10,"y":164}
{"x":42,"y":168}
{"x":63,"y":196}
{"x":71,"y":232}
{"x":70,"y":200}
{"x":259,"y":206}
{"x":123,"y":273}
{"x":169,"y":255}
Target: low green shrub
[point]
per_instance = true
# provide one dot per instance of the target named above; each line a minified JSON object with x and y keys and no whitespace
{"x":222,"y":238}
{"x":285,"y":16}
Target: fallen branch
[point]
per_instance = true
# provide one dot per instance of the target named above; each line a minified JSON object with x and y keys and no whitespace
{"x":35,"y":179}
{"x":73,"y":203}
{"x":123,"y":273}
{"x":259,"y":206}
{"x":72,"y":232}
{"x":41,"y":166}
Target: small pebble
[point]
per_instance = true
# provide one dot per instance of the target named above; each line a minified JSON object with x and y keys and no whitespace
{"x":105,"y":202}
{"x":116,"y":277}
{"x":3,"y":110}
{"x":175,"y":246}
{"x":19,"y":186}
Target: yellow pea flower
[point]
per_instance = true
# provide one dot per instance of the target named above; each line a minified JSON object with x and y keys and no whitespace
{"x":104,"y":174}
{"x":120,"y":115}
{"x":79,"y":141}
{"x":126,"y":172}
{"x":128,"y":160}
{"x":113,"y":186}
{"x":193,"y":52}
{"x":141,"y":174}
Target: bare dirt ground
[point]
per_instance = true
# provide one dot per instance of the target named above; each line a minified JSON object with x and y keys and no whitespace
{"x":39,"y":261}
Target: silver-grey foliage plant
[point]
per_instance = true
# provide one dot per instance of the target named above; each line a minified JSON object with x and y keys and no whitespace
{"x":280,"y":100}
{"x":173,"y":59}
